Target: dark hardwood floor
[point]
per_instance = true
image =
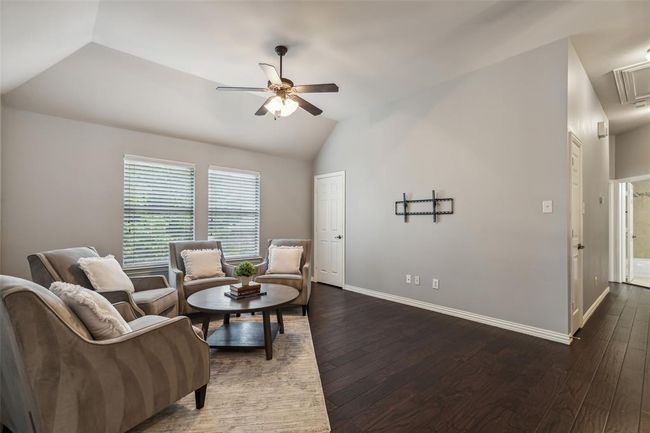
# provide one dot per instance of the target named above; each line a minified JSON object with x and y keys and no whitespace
{"x":387,"y":367}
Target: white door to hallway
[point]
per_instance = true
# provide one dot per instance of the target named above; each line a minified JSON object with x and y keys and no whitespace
{"x":629,"y":231}
{"x":329,"y":228}
{"x":577,"y":210}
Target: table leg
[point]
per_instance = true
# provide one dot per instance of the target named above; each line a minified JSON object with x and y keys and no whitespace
{"x":226,"y":319}
{"x":268,"y":339}
{"x":280,"y":321}
{"x":205,"y":326}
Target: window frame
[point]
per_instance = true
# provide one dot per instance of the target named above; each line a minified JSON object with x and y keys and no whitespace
{"x":151,"y":160}
{"x":259,"y":209}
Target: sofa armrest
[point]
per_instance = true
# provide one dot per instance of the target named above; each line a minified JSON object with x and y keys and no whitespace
{"x":306,"y":280}
{"x":149,"y":282}
{"x":228,"y":269}
{"x":125,"y":310}
{"x":115,"y":296}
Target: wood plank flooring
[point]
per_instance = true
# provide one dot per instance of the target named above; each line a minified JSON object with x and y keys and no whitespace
{"x":387,"y":367}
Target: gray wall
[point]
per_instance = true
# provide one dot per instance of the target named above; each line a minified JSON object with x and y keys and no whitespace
{"x":496,"y":141}
{"x":584,"y":113}
{"x":62,"y":184}
{"x":633,"y":153}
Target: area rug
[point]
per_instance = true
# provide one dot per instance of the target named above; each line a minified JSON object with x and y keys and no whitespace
{"x":247,"y":393}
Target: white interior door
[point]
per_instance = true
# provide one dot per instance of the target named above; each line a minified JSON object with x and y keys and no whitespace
{"x":629,"y":231}
{"x":577,"y":210}
{"x":329,"y":228}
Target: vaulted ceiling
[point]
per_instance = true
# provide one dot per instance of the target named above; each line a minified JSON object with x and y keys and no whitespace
{"x":153,"y":66}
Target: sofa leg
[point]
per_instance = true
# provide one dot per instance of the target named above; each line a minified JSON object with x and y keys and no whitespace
{"x":304,"y":310}
{"x":199,"y":396}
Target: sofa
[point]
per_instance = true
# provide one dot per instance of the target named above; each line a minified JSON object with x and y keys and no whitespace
{"x":177,"y":271}
{"x":301,"y":281}
{"x":152,"y":293}
{"x":57,"y":378}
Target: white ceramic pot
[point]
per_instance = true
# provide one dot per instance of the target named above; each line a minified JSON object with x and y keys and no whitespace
{"x":245,"y":281}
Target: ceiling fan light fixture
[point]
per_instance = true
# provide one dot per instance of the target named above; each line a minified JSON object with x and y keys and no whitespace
{"x":280,"y":107}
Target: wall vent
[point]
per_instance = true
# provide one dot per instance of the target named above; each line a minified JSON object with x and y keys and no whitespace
{"x":633,"y":83}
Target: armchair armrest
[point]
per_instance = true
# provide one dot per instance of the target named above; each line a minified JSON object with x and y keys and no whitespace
{"x":261,"y":268}
{"x":125,"y":310}
{"x":115,"y":296}
{"x":228,"y":269}
{"x":149,"y":282}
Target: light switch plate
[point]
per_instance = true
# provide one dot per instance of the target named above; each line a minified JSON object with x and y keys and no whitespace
{"x":416,"y":280}
{"x":547,"y":206}
{"x":408,"y":278}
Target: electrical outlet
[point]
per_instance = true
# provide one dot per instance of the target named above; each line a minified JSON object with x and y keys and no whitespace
{"x":408,"y":278}
{"x":435,"y":283}
{"x":417,"y":280}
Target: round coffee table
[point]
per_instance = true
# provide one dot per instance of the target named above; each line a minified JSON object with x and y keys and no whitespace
{"x":243,"y":334}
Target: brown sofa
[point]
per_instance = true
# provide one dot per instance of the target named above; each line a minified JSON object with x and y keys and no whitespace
{"x":56,"y":378}
{"x":301,"y":281}
{"x":177,"y":271}
{"x":152,"y":293}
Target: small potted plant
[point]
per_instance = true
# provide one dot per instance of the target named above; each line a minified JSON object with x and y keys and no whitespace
{"x":245,"y":271}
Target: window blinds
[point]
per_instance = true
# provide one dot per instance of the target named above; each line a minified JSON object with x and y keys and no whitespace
{"x":158,"y":208}
{"x":234,"y":212}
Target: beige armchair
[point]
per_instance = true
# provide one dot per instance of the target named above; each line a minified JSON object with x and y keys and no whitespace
{"x":152,"y":293}
{"x":57,"y":378}
{"x":177,"y":271}
{"x":301,"y":281}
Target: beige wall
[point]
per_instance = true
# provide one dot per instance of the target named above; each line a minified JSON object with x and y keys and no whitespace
{"x":62,"y":185}
{"x":495,"y":140}
{"x":633,"y":153}
{"x":641,"y":219}
{"x":584,"y":113}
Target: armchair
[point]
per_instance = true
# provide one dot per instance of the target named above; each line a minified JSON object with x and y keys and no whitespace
{"x":59,"y":379}
{"x":177,"y":271}
{"x":152,"y":293}
{"x":301,"y":281}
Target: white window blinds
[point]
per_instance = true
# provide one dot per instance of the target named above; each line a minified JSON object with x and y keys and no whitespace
{"x":234,"y":212}
{"x":158,"y":208}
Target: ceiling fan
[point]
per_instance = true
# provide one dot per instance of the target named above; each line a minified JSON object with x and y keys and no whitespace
{"x":285,"y":99}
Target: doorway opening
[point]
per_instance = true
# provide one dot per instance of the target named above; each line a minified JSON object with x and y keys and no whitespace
{"x":329,"y":229}
{"x":630,"y":232}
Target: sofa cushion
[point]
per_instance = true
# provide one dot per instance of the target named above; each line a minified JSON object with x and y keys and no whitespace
{"x":105,"y":274}
{"x":284,"y":259}
{"x":291,"y":280}
{"x":156,"y":301}
{"x":206,"y":283}
{"x":150,"y":320}
{"x":202,"y":264}
{"x":100,"y":317}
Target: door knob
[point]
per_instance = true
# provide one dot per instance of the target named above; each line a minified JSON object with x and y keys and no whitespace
{"x":339,"y":237}
{"x":581,"y":247}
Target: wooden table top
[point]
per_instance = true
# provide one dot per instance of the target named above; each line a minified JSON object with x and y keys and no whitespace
{"x":214,"y":301}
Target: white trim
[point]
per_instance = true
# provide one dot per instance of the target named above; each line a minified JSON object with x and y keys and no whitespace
{"x":148,"y":159}
{"x":234,"y":170}
{"x":499,"y":323}
{"x":314,"y":274}
{"x":633,"y":178}
{"x":594,"y":306}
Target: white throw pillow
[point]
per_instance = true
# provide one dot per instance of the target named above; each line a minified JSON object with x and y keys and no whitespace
{"x":202,"y":264}
{"x":284,"y":260}
{"x":105,"y":274}
{"x":96,"y":312}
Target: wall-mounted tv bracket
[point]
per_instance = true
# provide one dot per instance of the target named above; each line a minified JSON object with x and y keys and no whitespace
{"x":421,"y":207}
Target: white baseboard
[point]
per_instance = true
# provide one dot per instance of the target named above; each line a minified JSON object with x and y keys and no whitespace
{"x":499,"y":323}
{"x":595,"y":305}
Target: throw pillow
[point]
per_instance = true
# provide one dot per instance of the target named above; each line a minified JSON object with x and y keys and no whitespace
{"x":284,"y":260}
{"x":96,"y":312}
{"x":202,"y":264}
{"x":105,"y":274}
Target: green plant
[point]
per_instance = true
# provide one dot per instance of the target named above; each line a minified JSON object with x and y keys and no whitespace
{"x":245,"y":269}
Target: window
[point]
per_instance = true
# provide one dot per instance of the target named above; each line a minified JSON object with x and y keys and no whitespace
{"x":158,"y":208}
{"x":234,"y":212}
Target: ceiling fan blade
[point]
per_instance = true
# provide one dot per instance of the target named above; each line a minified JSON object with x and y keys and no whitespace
{"x":262,"y":110}
{"x":307,"y":106}
{"x":243,"y":89}
{"x":316,"y":88}
{"x":271,"y":73}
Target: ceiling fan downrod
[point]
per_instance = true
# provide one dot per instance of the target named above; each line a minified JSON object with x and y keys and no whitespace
{"x":281,"y":50}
